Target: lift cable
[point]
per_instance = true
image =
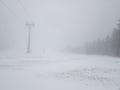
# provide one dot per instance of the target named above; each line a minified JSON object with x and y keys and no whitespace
{"x":25,"y":10}
{"x":9,"y":9}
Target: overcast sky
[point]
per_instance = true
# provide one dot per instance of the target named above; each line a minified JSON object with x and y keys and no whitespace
{"x":58,"y":23}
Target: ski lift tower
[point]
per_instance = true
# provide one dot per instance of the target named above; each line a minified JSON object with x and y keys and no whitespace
{"x":29,"y":25}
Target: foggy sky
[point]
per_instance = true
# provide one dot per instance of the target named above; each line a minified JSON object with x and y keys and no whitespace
{"x":58,"y":23}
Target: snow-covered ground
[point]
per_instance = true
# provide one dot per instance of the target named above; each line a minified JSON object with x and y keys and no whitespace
{"x":59,"y":72}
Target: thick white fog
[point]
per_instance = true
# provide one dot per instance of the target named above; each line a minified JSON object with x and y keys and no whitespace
{"x":58,"y":23}
{"x":59,"y":44}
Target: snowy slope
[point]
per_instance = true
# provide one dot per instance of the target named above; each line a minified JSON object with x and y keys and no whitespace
{"x":60,"y":72}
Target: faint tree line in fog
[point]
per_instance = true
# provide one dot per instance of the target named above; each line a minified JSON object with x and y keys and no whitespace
{"x":108,"y":46}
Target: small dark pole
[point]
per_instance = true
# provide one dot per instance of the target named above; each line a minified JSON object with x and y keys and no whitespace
{"x":29,"y":25}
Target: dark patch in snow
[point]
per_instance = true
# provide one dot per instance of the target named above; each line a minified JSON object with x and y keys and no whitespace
{"x":6,"y":66}
{"x":109,"y":76}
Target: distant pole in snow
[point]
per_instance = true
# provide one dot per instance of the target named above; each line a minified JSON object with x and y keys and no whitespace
{"x":29,"y":25}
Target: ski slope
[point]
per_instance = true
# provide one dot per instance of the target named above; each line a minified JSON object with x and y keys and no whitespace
{"x":59,"y":72}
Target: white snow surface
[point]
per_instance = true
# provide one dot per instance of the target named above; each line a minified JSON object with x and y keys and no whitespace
{"x":59,"y":72}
